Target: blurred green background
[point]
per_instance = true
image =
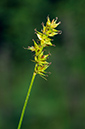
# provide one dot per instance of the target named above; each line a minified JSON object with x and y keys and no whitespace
{"x":58,"y":103}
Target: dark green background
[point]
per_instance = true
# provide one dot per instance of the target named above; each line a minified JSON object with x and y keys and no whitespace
{"x":59,"y":102}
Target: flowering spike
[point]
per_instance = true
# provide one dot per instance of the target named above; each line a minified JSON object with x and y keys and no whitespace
{"x":44,"y":40}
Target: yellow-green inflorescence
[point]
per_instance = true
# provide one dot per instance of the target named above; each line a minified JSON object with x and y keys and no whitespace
{"x":44,"y":40}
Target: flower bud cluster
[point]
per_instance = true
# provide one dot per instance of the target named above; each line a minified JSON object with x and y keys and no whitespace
{"x":44,"y":40}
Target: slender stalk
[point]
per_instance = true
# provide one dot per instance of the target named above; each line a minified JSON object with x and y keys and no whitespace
{"x":26,"y":100}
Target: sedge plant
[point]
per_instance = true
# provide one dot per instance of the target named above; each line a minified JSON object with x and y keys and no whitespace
{"x":41,"y":64}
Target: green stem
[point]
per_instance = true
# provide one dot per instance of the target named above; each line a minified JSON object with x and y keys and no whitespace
{"x":26,"y":100}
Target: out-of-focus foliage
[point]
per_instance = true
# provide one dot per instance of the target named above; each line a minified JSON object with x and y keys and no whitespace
{"x":58,"y":103}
